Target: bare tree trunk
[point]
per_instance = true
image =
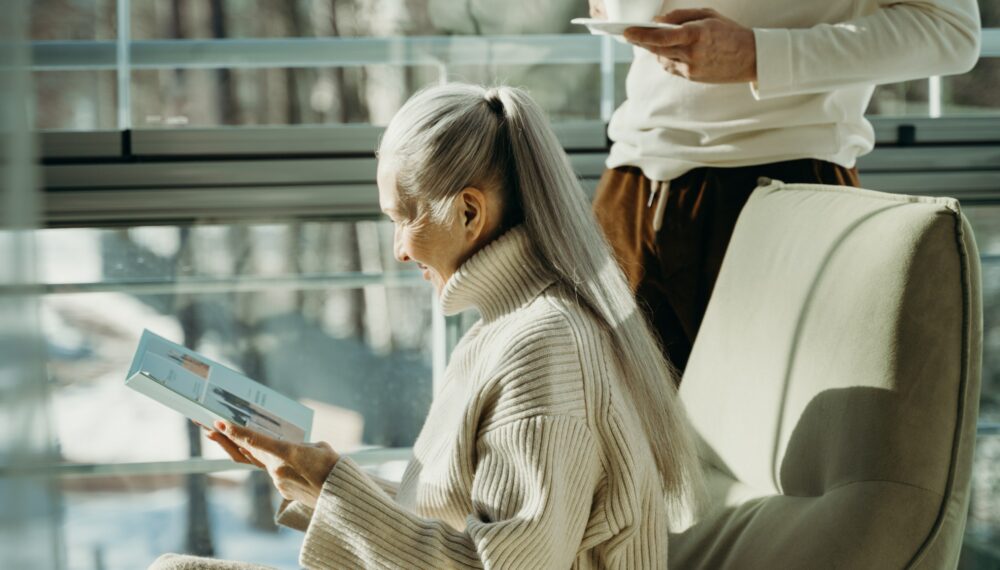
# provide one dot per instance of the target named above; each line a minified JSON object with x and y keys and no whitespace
{"x":252,"y":361}
{"x":376,"y":307}
{"x":199,"y":531}
{"x":313,"y":256}
{"x":261,"y":488}
{"x":226,"y":102}
{"x":294,"y":108}
{"x":296,"y":245}
{"x":177,"y":23}
{"x":353,"y":252}
{"x":352,"y":107}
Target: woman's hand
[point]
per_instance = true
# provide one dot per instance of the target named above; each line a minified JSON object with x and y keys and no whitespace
{"x":298,"y":470}
{"x":707,"y":47}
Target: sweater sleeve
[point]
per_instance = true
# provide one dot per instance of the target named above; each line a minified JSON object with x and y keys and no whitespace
{"x":532,"y":488}
{"x":899,"y":41}
{"x":296,"y":515}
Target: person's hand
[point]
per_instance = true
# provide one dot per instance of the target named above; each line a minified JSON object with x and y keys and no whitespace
{"x":298,"y":470}
{"x":597,"y":10}
{"x":707,"y":47}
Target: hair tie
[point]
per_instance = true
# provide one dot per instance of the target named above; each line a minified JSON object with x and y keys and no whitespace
{"x":493,"y":101}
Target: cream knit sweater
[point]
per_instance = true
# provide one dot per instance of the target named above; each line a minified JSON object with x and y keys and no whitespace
{"x":531,"y":456}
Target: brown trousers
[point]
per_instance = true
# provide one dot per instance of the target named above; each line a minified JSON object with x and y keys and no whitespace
{"x":673,"y":271}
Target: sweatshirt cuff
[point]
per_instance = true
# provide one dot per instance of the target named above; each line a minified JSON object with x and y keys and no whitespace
{"x":774,"y":63}
{"x":293,"y":514}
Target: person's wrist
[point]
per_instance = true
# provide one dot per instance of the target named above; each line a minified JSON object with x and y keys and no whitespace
{"x":751,"y":66}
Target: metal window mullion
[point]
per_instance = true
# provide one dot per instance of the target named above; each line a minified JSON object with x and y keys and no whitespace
{"x":934,"y":98}
{"x":363,"y":457}
{"x":122,"y":67}
{"x":234,"y":284}
{"x":340,"y":52}
{"x":990,"y":43}
{"x":607,"y":78}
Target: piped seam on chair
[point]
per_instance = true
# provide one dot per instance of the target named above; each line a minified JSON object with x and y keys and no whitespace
{"x":862,"y":481}
{"x":944,"y":201}
{"x":967,"y":320}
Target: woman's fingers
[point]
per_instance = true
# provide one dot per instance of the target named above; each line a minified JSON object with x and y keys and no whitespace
{"x":237,"y":453}
{"x":252,"y":459}
{"x":230,"y":448}
{"x":254,"y":440}
{"x":306,"y":464}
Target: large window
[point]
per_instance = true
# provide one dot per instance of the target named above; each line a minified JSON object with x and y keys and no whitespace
{"x":319,"y":310}
{"x":209,"y":175}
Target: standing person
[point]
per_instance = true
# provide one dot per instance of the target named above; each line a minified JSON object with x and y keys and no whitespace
{"x":554,"y":441}
{"x":740,"y":91}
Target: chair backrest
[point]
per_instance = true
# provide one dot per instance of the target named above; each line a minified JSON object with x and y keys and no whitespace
{"x":835,"y":384}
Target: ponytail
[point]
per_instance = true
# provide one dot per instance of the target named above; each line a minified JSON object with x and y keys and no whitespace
{"x":500,"y":138}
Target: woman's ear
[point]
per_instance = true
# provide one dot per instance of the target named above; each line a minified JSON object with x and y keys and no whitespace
{"x":473,"y":204}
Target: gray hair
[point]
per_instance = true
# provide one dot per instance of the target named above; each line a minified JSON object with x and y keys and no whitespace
{"x":449,"y":137}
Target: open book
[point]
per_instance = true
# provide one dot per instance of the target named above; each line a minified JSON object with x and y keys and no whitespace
{"x":205,"y":391}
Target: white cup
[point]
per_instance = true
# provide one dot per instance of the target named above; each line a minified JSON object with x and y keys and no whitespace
{"x":632,"y":10}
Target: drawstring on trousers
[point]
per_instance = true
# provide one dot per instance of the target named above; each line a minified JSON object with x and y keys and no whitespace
{"x":658,"y":187}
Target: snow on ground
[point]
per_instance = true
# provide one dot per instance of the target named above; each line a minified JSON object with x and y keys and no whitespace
{"x":129,"y":530}
{"x":98,"y":419}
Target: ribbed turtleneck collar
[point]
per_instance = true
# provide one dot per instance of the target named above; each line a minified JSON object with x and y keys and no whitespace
{"x":503,"y":276}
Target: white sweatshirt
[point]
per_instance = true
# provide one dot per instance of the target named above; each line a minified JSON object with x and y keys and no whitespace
{"x":817,"y":64}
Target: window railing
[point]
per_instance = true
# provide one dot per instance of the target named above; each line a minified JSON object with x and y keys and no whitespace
{"x":125,"y":56}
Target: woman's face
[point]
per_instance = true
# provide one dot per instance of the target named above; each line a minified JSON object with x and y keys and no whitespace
{"x":437,"y":247}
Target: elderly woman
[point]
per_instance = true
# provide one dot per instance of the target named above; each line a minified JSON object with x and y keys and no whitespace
{"x":557,"y":439}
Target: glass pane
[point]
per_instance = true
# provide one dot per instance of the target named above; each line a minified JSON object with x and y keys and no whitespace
{"x":29,"y":529}
{"x":206,"y":98}
{"x":989,"y":12}
{"x":75,"y":100}
{"x":566,"y":92}
{"x":266,"y":299}
{"x":982,"y":532}
{"x":973,"y":93}
{"x":983,"y":527}
{"x":123,"y":523}
{"x":155,"y":19}
{"x":370,"y":94}
{"x":907,"y":99}
{"x":74,"y":19}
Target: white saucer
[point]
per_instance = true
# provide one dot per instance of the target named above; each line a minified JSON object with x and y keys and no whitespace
{"x":617,"y":28}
